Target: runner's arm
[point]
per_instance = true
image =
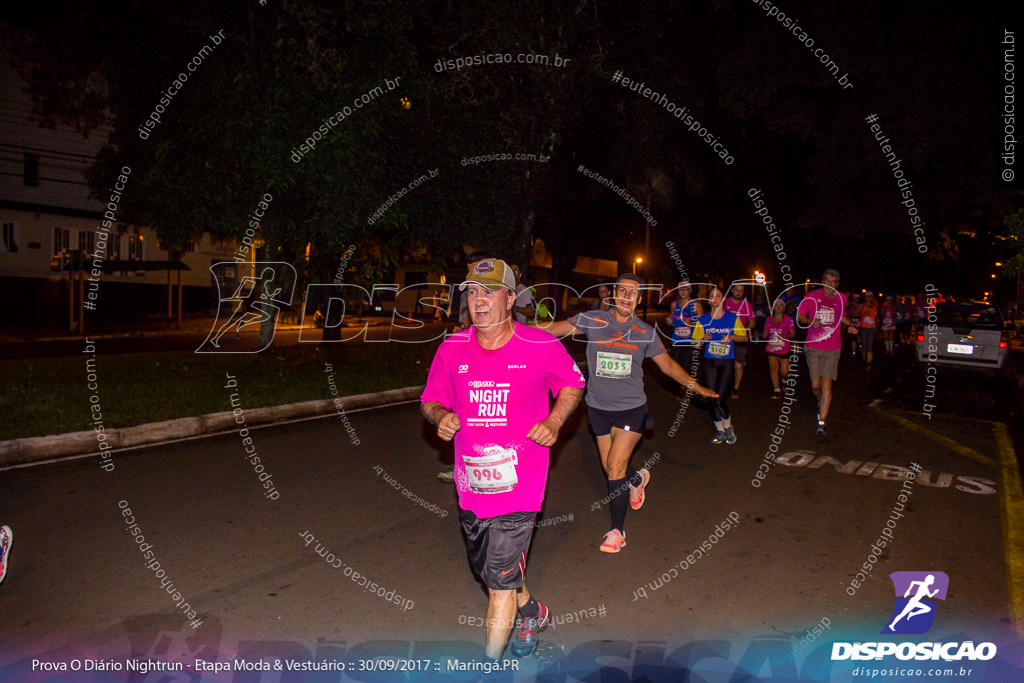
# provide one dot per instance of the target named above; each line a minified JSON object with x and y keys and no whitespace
{"x":545,"y":432}
{"x":676,"y":372}
{"x":447,"y":422}
{"x":560,"y":328}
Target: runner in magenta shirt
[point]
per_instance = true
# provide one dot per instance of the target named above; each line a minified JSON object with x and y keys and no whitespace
{"x":499,"y":395}
{"x":887,"y":316}
{"x":779,"y":328}
{"x":736,"y":303}
{"x":821,"y":313}
{"x":488,"y":390}
{"x":825,"y":315}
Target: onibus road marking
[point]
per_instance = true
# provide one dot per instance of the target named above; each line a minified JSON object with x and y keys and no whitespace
{"x":1011,"y":501}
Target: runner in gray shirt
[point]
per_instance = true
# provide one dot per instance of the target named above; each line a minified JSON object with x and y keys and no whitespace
{"x":617,"y":344}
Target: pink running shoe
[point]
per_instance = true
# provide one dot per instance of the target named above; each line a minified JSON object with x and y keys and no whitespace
{"x":614,"y":540}
{"x":636,"y":493}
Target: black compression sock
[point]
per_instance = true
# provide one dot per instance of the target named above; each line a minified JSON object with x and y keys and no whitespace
{"x":619,"y":499}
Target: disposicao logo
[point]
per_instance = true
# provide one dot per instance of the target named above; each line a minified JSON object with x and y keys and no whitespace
{"x":916,"y":593}
{"x":914,"y":613}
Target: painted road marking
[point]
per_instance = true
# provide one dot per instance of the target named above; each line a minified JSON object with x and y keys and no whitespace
{"x":1012,"y":512}
{"x":1011,"y":502}
{"x":936,"y":437}
{"x":879,"y":470}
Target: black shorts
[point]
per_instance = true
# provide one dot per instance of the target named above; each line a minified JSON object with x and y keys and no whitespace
{"x":632,"y":420}
{"x":739,"y":352}
{"x":497,"y":547}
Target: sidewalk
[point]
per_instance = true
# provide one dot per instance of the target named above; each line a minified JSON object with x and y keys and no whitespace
{"x":43,"y":448}
{"x":195,"y":324}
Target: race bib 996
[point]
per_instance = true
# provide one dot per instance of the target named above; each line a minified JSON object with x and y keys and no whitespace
{"x":492,"y":472}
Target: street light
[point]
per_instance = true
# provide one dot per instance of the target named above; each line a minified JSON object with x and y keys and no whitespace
{"x":638,"y":260}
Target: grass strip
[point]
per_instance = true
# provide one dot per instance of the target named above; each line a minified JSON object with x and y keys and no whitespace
{"x":44,"y":396}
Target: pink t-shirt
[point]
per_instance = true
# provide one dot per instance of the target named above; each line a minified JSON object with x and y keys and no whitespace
{"x":742,"y":308}
{"x":777,"y":344}
{"x":888,"y":316}
{"x":829,"y":310}
{"x":499,"y":395}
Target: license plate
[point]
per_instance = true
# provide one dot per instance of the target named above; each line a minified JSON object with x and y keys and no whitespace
{"x":965,"y":349}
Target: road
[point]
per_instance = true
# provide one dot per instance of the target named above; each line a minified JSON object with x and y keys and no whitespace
{"x":247,"y":562}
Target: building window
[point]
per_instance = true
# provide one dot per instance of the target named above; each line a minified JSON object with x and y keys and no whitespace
{"x":87,"y":243}
{"x":61,"y":249}
{"x":31,"y":169}
{"x":135,"y":250}
{"x":10,"y":244}
{"x":61,"y":241}
{"x":114,"y":246}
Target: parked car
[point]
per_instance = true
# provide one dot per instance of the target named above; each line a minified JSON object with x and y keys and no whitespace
{"x":964,"y":334}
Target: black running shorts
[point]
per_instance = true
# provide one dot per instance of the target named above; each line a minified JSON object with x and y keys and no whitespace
{"x":739,"y":352}
{"x":632,"y":420}
{"x":497,"y":547}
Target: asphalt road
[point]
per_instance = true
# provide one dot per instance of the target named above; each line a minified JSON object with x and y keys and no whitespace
{"x":245,"y":557}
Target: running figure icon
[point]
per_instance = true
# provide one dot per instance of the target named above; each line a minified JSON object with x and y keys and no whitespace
{"x":917,"y":595}
{"x":916,"y":606}
{"x":257,"y":298}
{"x":249,"y":308}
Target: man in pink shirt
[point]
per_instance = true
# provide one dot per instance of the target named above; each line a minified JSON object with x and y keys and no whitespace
{"x":488,"y":389}
{"x":822,"y":312}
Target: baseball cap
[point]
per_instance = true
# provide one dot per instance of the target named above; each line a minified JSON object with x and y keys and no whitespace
{"x":490,"y":273}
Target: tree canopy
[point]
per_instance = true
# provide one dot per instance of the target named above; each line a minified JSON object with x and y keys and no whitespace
{"x":394,"y":98}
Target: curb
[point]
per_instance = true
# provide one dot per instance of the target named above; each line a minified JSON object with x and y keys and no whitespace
{"x":170,"y":332}
{"x":42,"y":448}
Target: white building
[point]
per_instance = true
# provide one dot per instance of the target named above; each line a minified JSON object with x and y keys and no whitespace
{"x":49,"y":223}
